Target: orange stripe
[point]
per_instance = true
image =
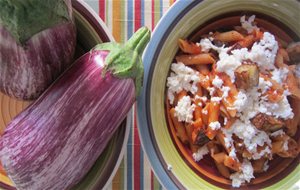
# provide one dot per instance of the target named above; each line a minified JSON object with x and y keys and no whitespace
{"x":116,"y":8}
{"x":117,"y":181}
{"x":171,"y":2}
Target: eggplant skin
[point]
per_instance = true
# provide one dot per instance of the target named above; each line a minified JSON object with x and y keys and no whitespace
{"x":55,"y":141}
{"x":26,"y":71}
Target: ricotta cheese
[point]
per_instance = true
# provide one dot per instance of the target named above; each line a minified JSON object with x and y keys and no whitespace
{"x":217,"y":82}
{"x":248,"y":24}
{"x":251,"y":136}
{"x":279,"y":75}
{"x":181,"y":78}
{"x":200,"y":153}
{"x":263,"y":53}
{"x":215,"y":99}
{"x":215,"y":125}
{"x":277,"y":133}
{"x":245,"y":175}
{"x":286,"y":145}
{"x":184,"y":109}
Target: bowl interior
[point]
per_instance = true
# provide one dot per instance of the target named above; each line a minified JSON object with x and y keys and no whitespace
{"x":188,"y":22}
{"x":90,"y":31}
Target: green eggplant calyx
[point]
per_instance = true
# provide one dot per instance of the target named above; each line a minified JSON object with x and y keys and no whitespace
{"x":124,"y":61}
{"x":25,"y":18}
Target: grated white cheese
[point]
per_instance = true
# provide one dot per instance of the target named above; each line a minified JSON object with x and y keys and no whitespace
{"x":202,"y":98}
{"x":286,"y":145}
{"x":228,"y":64}
{"x":266,"y":166}
{"x":215,"y":99}
{"x":211,"y":90}
{"x":225,"y":90}
{"x":251,"y":136}
{"x":279,"y":75}
{"x":258,"y":155}
{"x":200,"y":153}
{"x":277,"y":133}
{"x":247,"y":24}
{"x":282,"y":109}
{"x":215,"y":125}
{"x":232,"y":153}
{"x":225,"y":120}
{"x":205,"y":112}
{"x":181,"y":78}
{"x":241,"y":101}
{"x":217,"y":82}
{"x":184,"y":109}
{"x":264,"y":52}
{"x":245,"y":175}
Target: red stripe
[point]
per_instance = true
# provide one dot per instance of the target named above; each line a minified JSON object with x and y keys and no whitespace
{"x":152,"y":180}
{"x":137,"y":152}
{"x":137,"y":14}
{"x":152,"y":14}
{"x":102,"y":9}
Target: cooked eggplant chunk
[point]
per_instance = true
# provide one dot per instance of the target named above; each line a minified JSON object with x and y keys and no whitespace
{"x":293,"y":50}
{"x":267,"y":123}
{"x":247,"y":76}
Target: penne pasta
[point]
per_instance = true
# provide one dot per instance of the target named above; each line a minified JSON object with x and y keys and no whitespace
{"x":189,"y":130}
{"x":230,"y":36}
{"x":224,"y":171}
{"x":219,"y":157}
{"x":199,"y":59}
{"x":180,"y":129}
{"x":188,"y":47}
{"x":213,"y":120}
{"x":232,"y":163}
{"x":203,"y":69}
{"x":247,"y":41}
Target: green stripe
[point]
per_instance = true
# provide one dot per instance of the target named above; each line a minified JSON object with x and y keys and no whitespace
{"x":106,"y":12}
{"x":156,"y":185}
{"x":123,"y":25}
{"x":122,"y":174}
{"x":156,"y":11}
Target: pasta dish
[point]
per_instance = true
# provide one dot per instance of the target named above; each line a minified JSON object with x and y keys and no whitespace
{"x":235,"y":96}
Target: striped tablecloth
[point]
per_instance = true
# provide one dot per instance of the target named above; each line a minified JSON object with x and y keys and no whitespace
{"x":123,"y":17}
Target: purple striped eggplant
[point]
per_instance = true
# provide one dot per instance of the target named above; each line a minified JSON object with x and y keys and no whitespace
{"x":57,"y":139}
{"x":37,"y":43}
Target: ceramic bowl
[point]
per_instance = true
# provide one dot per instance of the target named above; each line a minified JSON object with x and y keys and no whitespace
{"x":91,"y":30}
{"x":171,"y":162}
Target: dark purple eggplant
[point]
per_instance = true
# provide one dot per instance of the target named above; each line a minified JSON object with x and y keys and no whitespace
{"x":55,"y":141}
{"x":37,"y":43}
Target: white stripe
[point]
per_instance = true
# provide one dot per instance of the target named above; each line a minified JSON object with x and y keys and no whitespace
{"x":147,"y":13}
{"x":109,"y":186}
{"x":108,"y":17}
{"x":166,"y":5}
{"x":147,"y":173}
{"x":94,"y":4}
{"x":124,"y":21}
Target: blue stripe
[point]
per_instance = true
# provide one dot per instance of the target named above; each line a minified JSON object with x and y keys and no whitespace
{"x":142,"y":168}
{"x":142,"y":13}
{"x":129,"y":160}
{"x":161,"y":8}
{"x":130,"y":9}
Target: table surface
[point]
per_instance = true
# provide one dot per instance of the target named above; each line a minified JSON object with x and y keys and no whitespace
{"x":122,"y":18}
